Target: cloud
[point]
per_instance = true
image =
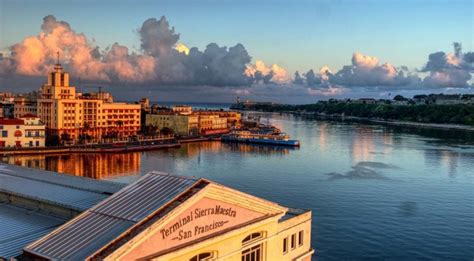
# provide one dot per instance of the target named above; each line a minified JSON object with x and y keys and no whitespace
{"x":449,"y":70}
{"x":260,"y":73}
{"x":161,"y":60}
{"x":180,"y":47}
{"x":366,"y":71}
{"x":330,"y":91}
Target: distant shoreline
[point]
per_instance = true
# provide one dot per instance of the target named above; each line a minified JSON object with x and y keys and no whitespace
{"x":441,"y":126}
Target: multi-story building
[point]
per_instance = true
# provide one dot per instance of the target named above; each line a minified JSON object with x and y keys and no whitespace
{"x":27,"y":131}
{"x":182,"y":125}
{"x":182,"y":109}
{"x":23,"y":106}
{"x":186,"y":122}
{"x":212,"y":124}
{"x":66,"y":112}
{"x":233,"y":117}
{"x":145,"y":104}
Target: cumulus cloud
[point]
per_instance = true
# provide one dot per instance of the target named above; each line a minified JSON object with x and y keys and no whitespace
{"x":449,"y":69}
{"x":161,"y":60}
{"x":312,"y":79}
{"x":182,"y":48}
{"x":261,"y":73}
{"x":367,"y":71}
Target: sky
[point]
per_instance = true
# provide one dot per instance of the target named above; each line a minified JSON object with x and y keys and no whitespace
{"x":351,"y":40}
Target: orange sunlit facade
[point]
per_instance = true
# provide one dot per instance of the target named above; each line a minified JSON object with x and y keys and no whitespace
{"x":65,"y":111}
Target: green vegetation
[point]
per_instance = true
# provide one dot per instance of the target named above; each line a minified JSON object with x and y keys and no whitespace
{"x":448,"y":114}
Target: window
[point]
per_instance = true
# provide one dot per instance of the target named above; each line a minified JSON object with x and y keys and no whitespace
{"x":285,"y":245}
{"x":202,"y":257}
{"x":4,"y":133}
{"x":253,"y":253}
{"x":300,"y":238}
{"x":293,"y":241}
{"x":252,"y":237}
{"x":31,"y":143}
{"x":37,"y":143}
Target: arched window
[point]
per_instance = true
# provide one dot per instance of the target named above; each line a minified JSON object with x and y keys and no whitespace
{"x":202,"y":256}
{"x":17,"y":133}
{"x":253,"y":252}
{"x":252,"y":237}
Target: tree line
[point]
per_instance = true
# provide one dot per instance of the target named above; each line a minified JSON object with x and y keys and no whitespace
{"x":448,"y":114}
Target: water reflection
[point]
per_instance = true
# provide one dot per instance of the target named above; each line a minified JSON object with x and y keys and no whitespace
{"x":363,"y":144}
{"x":109,"y":166}
{"x":323,"y":136}
{"x":408,"y":208}
{"x":363,"y":170}
{"x":374,"y":178}
{"x":97,"y":166}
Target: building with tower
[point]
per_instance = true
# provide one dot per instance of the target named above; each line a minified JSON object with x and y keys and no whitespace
{"x":67,"y":113}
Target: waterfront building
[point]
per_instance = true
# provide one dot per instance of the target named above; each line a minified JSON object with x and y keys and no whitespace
{"x":27,"y":131}
{"x":182,"y":125}
{"x":195,"y":123}
{"x":233,"y":117}
{"x":182,"y":109}
{"x":66,"y":112}
{"x":212,"y":124}
{"x":186,"y":218}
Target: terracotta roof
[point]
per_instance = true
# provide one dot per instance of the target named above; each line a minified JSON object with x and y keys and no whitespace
{"x":11,"y":121}
{"x":29,"y":115}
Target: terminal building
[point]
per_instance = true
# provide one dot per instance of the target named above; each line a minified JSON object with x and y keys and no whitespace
{"x":157,"y":217}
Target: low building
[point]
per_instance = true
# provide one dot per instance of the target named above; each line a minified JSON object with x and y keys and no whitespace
{"x":24,"y":105}
{"x":182,"y":125}
{"x":182,"y":109}
{"x":233,"y":117}
{"x":185,"y":219}
{"x":27,"y":131}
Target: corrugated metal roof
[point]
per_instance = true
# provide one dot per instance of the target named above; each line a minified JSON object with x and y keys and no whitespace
{"x":99,"y":186}
{"x":59,"y":189}
{"x":72,"y":198}
{"x":97,"y":227}
{"x":20,"y":227}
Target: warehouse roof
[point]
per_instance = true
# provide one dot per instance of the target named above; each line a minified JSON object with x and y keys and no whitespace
{"x":21,"y":227}
{"x":107,"y":221}
{"x":71,"y":192}
{"x":23,"y":194}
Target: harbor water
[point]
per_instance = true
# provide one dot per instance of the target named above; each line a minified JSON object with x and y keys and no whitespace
{"x":376,"y":192}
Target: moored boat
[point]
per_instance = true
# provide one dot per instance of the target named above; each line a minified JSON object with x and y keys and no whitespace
{"x":271,"y":138}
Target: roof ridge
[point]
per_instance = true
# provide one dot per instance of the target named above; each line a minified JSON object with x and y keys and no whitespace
{"x":159,"y":173}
